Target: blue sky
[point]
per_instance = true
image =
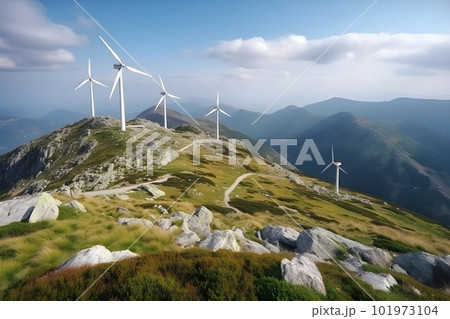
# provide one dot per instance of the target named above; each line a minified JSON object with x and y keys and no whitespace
{"x":249,"y":50}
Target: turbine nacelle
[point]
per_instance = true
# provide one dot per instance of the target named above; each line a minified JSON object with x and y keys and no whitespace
{"x":117,"y":66}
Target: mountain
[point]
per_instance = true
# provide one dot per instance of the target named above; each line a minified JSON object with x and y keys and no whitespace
{"x":16,"y":130}
{"x":401,"y":162}
{"x":433,"y":114}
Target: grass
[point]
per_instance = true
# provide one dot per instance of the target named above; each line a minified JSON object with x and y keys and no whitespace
{"x":17,"y":229}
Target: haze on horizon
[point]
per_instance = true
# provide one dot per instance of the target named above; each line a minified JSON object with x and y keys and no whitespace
{"x":250,"y":52}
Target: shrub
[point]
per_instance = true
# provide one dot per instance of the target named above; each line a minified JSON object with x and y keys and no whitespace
{"x":268,"y":288}
{"x":7,"y":253}
{"x":387,"y":243}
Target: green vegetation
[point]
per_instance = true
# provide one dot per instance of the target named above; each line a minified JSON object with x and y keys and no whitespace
{"x":17,"y":229}
{"x":66,"y":212}
{"x":387,"y":243}
{"x":251,"y":207}
{"x":269,"y":288}
{"x":7,"y":253}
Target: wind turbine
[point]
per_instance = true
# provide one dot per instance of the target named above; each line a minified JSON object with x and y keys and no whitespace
{"x":217,"y":109}
{"x":338,"y":168}
{"x":119,"y":78}
{"x":163,"y":98}
{"x":90,"y":79}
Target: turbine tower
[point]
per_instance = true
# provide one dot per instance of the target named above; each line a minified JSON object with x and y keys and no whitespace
{"x":119,"y":78}
{"x":338,"y":168}
{"x":163,"y":98}
{"x":218,"y":110}
{"x":90,"y":79}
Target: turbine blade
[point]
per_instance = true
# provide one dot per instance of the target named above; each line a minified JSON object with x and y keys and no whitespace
{"x":135,"y":70}
{"x":95,"y":81}
{"x":162,"y":84}
{"x":111,"y":50}
{"x":174,"y":96}
{"x":160,"y":100}
{"x":212,"y":111}
{"x":82,"y":83}
{"x":343,"y":170}
{"x":89,"y":67}
{"x":224,"y":112}
{"x":332,"y":154}
{"x":118,"y":76}
{"x":217,"y":100}
{"x":327,"y":167}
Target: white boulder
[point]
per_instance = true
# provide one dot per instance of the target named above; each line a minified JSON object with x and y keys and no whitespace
{"x":301,"y":270}
{"x":249,"y":245}
{"x":378,"y":281}
{"x":221,"y":240}
{"x":46,"y":209}
{"x":17,"y":209}
{"x":96,"y":255}
{"x":187,"y":239}
{"x":76,"y":205}
{"x":135,"y":221}
{"x":200,"y":221}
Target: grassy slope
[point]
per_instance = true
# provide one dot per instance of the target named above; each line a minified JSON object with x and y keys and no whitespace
{"x":30,"y":256}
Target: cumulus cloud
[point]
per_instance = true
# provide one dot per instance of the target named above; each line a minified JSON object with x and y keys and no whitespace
{"x":415,"y":50}
{"x":30,"y":40}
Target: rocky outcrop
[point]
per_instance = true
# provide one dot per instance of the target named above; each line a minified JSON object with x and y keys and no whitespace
{"x":200,"y":221}
{"x":279,"y":235}
{"x":76,"y":205}
{"x":96,"y":255}
{"x":166,"y":156}
{"x":382,"y":282}
{"x":249,"y":245}
{"x":187,"y":239}
{"x":46,"y":209}
{"x":326,"y":245}
{"x":220,"y":240}
{"x":135,"y":221}
{"x":301,"y":270}
{"x":429,"y":269}
{"x":17,"y":209}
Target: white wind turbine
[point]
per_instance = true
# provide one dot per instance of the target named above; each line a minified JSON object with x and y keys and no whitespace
{"x":119,"y":78}
{"x":338,"y":168}
{"x":164,"y":94}
{"x":90,"y":79}
{"x":217,"y":109}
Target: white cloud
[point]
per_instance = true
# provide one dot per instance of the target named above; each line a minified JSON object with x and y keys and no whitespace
{"x":30,"y":40}
{"x":415,"y":50}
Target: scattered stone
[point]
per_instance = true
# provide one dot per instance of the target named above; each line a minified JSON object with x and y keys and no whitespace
{"x":187,"y":239}
{"x":249,"y":245}
{"x":37,"y":186}
{"x":258,"y":235}
{"x":200,"y":221}
{"x":270,"y":247}
{"x":352,"y":264}
{"x":379,"y":281}
{"x":427,"y":268}
{"x":164,"y":223}
{"x":152,"y":190}
{"x":135,"y":221}
{"x":76,"y":205}
{"x":122,"y":210}
{"x":398,"y":269}
{"x":285,"y":236}
{"x":220,"y":240}
{"x":161,"y":209}
{"x":96,"y":255}
{"x":302,"y":271}
{"x":46,"y":209}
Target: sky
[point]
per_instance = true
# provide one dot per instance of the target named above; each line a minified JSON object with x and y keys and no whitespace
{"x":251,"y":51}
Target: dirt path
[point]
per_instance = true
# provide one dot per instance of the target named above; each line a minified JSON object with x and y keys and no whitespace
{"x":121,"y":190}
{"x":226,"y":198}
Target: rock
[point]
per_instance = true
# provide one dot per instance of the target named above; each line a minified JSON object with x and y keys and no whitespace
{"x":249,"y":245}
{"x":122,"y":210}
{"x":76,"y":205}
{"x":37,"y":186}
{"x":96,"y":255}
{"x":270,"y":247}
{"x":378,"y":281}
{"x":164,"y":223}
{"x":46,"y":209}
{"x":187,"y":238}
{"x":316,"y":242}
{"x":302,"y":271}
{"x":352,"y":264}
{"x":429,"y":269}
{"x":258,"y":235}
{"x":285,"y":236}
{"x":326,"y":244}
{"x":200,"y":221}
{"x":220,"y":240}
{"x":135,"y":221}
{"x":161,"y":209}
{"x":398,"y":269}
{"x":152,"y":190}
{"x":122,"y":197}
{"x":17,"y":209}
